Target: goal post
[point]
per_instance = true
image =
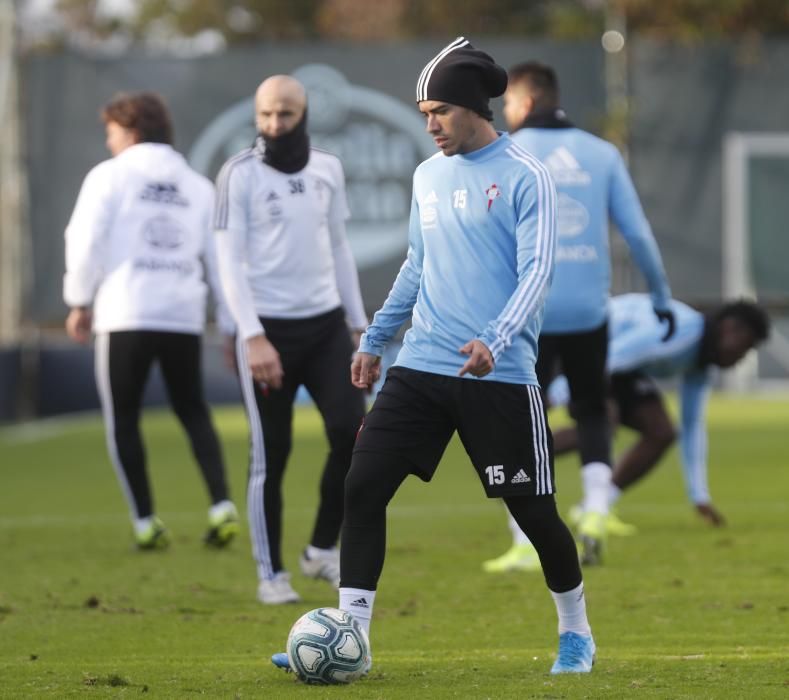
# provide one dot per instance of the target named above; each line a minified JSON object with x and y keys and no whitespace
{"x":755,"y":254}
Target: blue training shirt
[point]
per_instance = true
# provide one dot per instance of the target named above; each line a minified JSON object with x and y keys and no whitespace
{"x":480,"y":259}
{"x":592,"y":184}
{"x":635,"y":344}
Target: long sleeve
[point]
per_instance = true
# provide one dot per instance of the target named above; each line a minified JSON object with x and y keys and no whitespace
{"x":693,"y":437}
{"x":344,"y":265}
{"x":230,"y":224}
{"x":536,"y":245}
{"x":224,"y":319}
{"x":86,"y":238}
{"x":399,"y":305}
{"x":628,"y":215}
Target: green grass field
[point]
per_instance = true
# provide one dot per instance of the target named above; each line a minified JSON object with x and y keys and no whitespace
{"x":680,"y":611}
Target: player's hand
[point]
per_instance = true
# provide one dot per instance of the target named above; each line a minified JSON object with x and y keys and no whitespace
{"x":365,"y":370}
{"x":229,"y":353}
{"x":710,"y":514}
{"x":78,"y":324}
{"x":356,"y":339}
{"x":668,"y":316}
{"x":480,"y":361}
{"x":264,"y":362}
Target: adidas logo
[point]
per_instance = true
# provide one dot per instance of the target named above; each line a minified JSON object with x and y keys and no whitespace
{"x":164,"y":193}
{"x":272,"y":196}
{"x":565,"y":168}
{"x":562,"y":159}
{"x":431,"y":198}
{"x":360,"y":603}
{"x":520,"y":478}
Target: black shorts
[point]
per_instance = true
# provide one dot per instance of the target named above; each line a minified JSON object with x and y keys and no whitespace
{"x":630,"y":390}
{"x":502,"y":427}
{"x":581,"y":357}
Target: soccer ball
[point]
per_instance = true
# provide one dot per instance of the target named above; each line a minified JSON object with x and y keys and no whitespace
{"x":327,"y":646}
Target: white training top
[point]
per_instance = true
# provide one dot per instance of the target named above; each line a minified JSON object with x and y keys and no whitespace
{"x":281,"y":242}
{"x":141,"y":225}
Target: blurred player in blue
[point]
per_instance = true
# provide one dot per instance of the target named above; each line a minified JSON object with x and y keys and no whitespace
{"x":636,"y":357}
{"x":593,"y":188}
{"x":479,"y":263}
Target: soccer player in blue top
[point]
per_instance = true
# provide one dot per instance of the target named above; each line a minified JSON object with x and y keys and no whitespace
{"x":478,"y":267}
{"x":636,"y":357}
{"x":593,"y":187}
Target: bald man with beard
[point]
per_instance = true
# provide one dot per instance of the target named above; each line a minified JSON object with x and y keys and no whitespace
{"x":293,"y":289}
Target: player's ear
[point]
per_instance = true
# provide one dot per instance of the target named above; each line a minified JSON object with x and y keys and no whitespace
{"x":528,"y":104}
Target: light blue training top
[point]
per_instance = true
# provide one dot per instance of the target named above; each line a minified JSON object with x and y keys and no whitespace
{"x":635,"y":343}
{"x":481,"y":244}
{"x":592,"y":184}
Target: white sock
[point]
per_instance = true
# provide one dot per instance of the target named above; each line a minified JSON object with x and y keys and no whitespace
{"x":614,"y":492}
{"x":518,"y":536}
{"x":221,"y":509}
{"x":320,"y":553}
{"x":359,"y":603}
{"x":571,"y":609}
{"x":141,"y":525}
{"x":596,"y":479}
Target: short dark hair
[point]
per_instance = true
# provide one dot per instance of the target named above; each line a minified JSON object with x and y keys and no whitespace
{"x":540,"y":80}
{"x":143,"y":112}
{"x":749,"y":314}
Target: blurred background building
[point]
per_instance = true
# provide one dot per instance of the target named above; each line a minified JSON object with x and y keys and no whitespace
{"x":693,"y":91}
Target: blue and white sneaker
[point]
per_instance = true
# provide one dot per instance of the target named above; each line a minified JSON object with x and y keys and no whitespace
{"x":280,"y":660}
{"x":576,"y":654}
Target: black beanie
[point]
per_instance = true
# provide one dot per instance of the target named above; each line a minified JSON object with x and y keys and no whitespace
{"x":462,"y":75}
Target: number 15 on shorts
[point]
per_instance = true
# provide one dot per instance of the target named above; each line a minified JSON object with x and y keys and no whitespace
{"x":495,"y":474}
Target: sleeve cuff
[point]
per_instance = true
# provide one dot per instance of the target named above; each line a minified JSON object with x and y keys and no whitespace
{"x":493,"y":344}
{"x":369,"y":347}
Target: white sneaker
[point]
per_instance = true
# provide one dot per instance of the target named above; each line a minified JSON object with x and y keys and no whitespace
{"x":277,"y":590}
{"x":322,"y":563}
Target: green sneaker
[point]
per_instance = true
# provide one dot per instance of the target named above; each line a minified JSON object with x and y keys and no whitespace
{"x":519,"y":557}
{"x":222,"y":525}
{"x":592,"y":535}
{"x":574,"y":516}
{"x":155,"y":536}
{"x":618,"y":527}
{"x":614,"y":525}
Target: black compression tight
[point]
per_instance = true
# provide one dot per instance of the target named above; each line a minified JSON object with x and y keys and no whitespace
{"x":539,"y":519}
{"x":372,"y":482}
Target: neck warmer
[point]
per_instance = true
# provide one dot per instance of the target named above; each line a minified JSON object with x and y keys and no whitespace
{"x":547,"y":119}
{"x":287,"y":153}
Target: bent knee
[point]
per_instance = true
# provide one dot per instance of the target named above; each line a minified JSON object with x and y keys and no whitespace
{"x":663,"y":435}
{"x":360,"y":484}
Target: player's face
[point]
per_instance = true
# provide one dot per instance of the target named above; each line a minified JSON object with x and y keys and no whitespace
{"x":276,"y":115}
{"x":517,"y":105}
{"x":119,"y":138}
{"x":454,"y":129}
{"x":735,"y":339}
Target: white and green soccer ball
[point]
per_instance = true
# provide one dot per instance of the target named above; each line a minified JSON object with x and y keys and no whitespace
{"x":327,"y":646}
